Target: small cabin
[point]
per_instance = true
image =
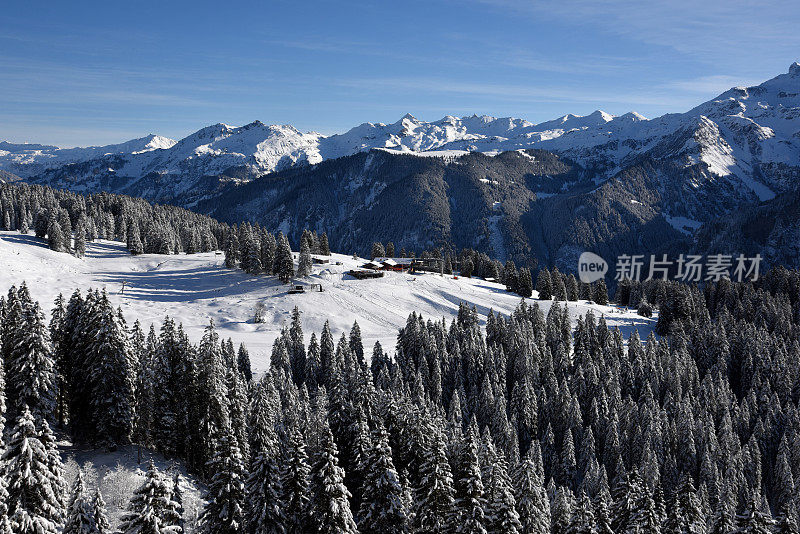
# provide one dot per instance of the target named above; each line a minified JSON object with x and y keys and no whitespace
{"x":297,"y":288}
{"x":363,"y":274}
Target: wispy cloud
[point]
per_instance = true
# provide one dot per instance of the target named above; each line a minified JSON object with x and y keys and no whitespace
{"x":716,"y":32}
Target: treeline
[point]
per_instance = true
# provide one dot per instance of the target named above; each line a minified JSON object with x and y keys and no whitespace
{"x":257,"y":251}
{"x":522,"y":426}
{"x":553,"y":284}
{"x":69,"y":220}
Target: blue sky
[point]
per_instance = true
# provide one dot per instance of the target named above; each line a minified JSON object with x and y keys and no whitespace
{"x":82,"y":73}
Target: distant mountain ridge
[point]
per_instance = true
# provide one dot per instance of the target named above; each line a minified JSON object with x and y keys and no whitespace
{"x":505,"y":186}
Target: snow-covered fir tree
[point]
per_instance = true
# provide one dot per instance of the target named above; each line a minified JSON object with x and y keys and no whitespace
{"x":304,"y":263}
{"x":329,"y":508}
{"x":34,"y":504}
{"x":382,"y":507}
{"x":147,"y":510}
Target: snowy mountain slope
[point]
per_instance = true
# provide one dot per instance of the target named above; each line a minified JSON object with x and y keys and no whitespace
{"x":26,"y":160}
{"x":196,"y":288}
{"x":750,"y":136}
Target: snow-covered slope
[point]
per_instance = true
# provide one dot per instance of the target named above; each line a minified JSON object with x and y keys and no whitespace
{"x":194,"y":289}
{"x":27,"y":160}
{"x":752,"y":134}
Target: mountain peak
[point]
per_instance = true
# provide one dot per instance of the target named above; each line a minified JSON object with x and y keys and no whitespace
{"x":794,"y":69}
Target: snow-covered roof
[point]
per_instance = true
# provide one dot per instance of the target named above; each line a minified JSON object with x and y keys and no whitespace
{"x":395,"y":261}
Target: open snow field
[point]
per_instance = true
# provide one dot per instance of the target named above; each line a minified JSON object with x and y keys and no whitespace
{"x":195,"y":288}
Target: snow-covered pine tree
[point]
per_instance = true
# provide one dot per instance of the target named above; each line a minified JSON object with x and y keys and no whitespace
{"x":582,"y":520}
{"x":224,"y":509}
{"x":356,"y":345}
{"x":532,"y":502}
{"x":79,"y":248}
{"x":56,"y":473}
{"x":324,"y":248}
{"x":382,"y":508}
{"x":173,"y":514}
{"x":685,"y":514}
{"x":501,"y":513}
{"x":5,"y":520}
{"x":284,"y":263}
{"x":305,"y":263}
{"x":57,"y":316}
{"x":544,"y":285}
{"x":330,"y":509}
{"x":112,"y":377}
{"x":34,"y":506}
{"x":471,"y":504}
{"x":237,"y":409}
{"x":135,"y":246}
{"x":232,"y":250}
{"x":212,"y":398}
{"x":377,"y":251}
{"x":148,"y":506}
{"x":268,"y":247}
{"x":101,"y":522}
{"x":80,"y":512}
{"x":297,"y":349}
{"x":752,"y":520}
{"x":55,"y":236}
{"x":525,"y":283}
{"x":295,"y":479}
{"x":265,"y":509}
{"x":243,"y":363}
{"x":600,"y":295}
{"x":28,"y":357}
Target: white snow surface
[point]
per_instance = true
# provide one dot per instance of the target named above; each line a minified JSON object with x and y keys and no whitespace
{"x":194,"y":289}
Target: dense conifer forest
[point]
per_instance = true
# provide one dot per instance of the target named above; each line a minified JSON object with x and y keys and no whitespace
{"x":517,"y":424}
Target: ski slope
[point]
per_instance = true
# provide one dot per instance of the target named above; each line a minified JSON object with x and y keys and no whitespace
{"x":194,"y":289}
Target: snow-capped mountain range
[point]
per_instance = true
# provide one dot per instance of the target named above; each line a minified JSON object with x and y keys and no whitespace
{"x":751,"y":135}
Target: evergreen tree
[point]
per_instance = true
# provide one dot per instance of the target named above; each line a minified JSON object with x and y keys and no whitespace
{"x":471,"y":518}
{"x":600,"y":295}
{"x":284,"y":264}
{"x":112,"y":377}
{"x":330,"y":508}
{"x":295,"y":485}
{"x":753,"y":521}
{"x":148,"y":506}
{"x":28,"y":357}
{"x":232,"y":251}
{"x":243,"y":363}
{"x":55,"y":237}
{"x":685,"y":515}
{"x":532,"y":502}
{"x":135,"y":246}
{"x":173,"y":514}
{"x":305,"y":263}
{"x":34,"y":504}
{"x":79,"y":248}
{"x":224,"y":511}
{"x":80,"y":513}
{"x":377,"y":251}
{"x":382,"y":508}
{"x":324,"y":248}
{"x":101,"y":523}
{"x":501,"y":513}
{"x":263,"y":487}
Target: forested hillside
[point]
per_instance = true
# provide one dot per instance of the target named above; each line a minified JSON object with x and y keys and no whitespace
{"x":521,"y":426}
